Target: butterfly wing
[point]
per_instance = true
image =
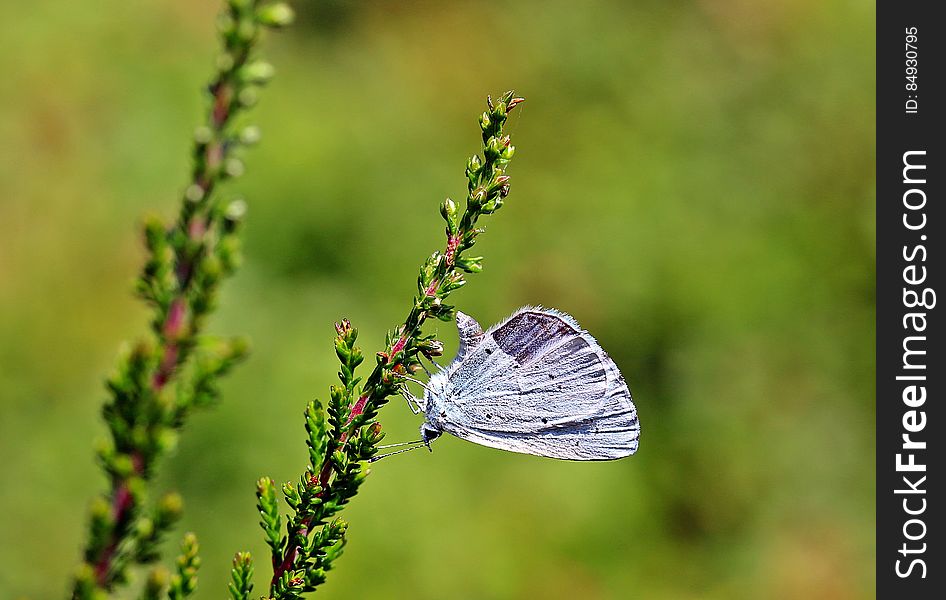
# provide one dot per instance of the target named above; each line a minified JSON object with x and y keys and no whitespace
{"x":538,"y":384}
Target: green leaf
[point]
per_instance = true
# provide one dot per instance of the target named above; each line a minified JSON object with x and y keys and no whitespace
{"x":241,"y":577}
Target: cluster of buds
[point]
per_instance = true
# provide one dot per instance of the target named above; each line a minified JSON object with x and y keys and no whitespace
{"x":338,"y":447}
{"x":187,"y":261}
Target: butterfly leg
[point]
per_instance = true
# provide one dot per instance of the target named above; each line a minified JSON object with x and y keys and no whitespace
{"x":413,"y":402}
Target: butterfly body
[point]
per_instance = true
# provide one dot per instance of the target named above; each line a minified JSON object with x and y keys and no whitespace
{"x":535,"y":383}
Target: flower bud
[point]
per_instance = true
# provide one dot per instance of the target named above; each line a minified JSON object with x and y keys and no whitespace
{"x":258,"y":72}
{"x":235,"y":211}
{"x":233,"y":167}
{"x":431,"y":348}
{"x":225,"y":60}
{"x":203,"y":135}
{"x":474,"y":165}
{"x":248,"y":97}
{"x":375,"y":429}
{"x":279,"y":14}
{"x":250,"y":135}
{"x":448,"y":210}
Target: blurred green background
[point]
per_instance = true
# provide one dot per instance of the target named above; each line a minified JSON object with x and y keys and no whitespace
{"x":693,"y":182}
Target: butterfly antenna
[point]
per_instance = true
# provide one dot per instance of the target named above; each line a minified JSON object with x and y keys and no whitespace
{"x":413,"y":402}
{"x":380,"y":456}
{"x":398,"y":445}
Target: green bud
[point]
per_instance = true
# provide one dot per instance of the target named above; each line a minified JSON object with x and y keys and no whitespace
{"x":248,"y":97}
{"x":484,"y":121}
{"x":431,"y":348}
{"x":144,"y":529}
{"x":250,"y":135}
{"x":100,"y":510}
{"x":225,"y":60}
{"x":235,"y":211}
{"x":246,"y":30}
{"x":170,"y":507}
{"x":500,"y":110}
{"x":448,"y":210}
{"x":239,"y":347}
{"x":86,"y":585}
{"x":190,"y":546}
{"x":292,"y":496}
{"x":194,"y":193}
{"x":122,"y":465}
{"x":454,"y":282}
{"x":104,"y":450}
{"x":258,"y":72}
{"x":470,"y":265}
{"x":157,"y":581}
{"x":474,"y":164}
{"x":493,"y":146}
{"x":154,"y":232}
{"x":228,"y":251}
{"x":203,"y":135}
{"x":263,"y":485}
{"x":137,"y":488}
{"x":233,"y":167}
{"x":225,"y":23}
{"x":166,"y":439}
{"x":275,"y":15}
{"x":477,"y":197}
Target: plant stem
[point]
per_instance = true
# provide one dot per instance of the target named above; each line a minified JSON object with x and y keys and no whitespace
{"x":186,"y":264}
{"x":319,"y":495}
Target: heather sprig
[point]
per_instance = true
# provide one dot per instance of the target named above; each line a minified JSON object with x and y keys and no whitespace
{"x":342,"y":438}
{"x":184,"y":582}
{"x":160,"y":379}
{"x":241,"y":577}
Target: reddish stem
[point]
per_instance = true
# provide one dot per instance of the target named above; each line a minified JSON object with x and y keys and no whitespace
{"x":123,"y":504}
{"x":324,"y":475}
{"x":453,"y":243}
{"x":221,"y":107}
{"x":397,"y":347}
{"x":450,"y":255}
{"x":173,"y":326}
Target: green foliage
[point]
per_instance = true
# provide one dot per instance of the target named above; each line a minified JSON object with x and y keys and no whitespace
{"x":270,"y":520}
{"x":241,"y":576}
{"x":156,"y":585}
{"x":184,"y":582}
{"x":341,"y":445}
{"x":187,"y":261}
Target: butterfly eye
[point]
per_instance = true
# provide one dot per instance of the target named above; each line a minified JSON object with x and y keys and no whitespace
{"x":429,"y":434}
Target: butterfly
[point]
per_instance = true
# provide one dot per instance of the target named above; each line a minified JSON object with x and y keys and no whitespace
{"x":535,"y":383}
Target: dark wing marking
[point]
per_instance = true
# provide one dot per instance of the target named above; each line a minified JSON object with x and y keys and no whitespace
{"x":528,"y":333}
